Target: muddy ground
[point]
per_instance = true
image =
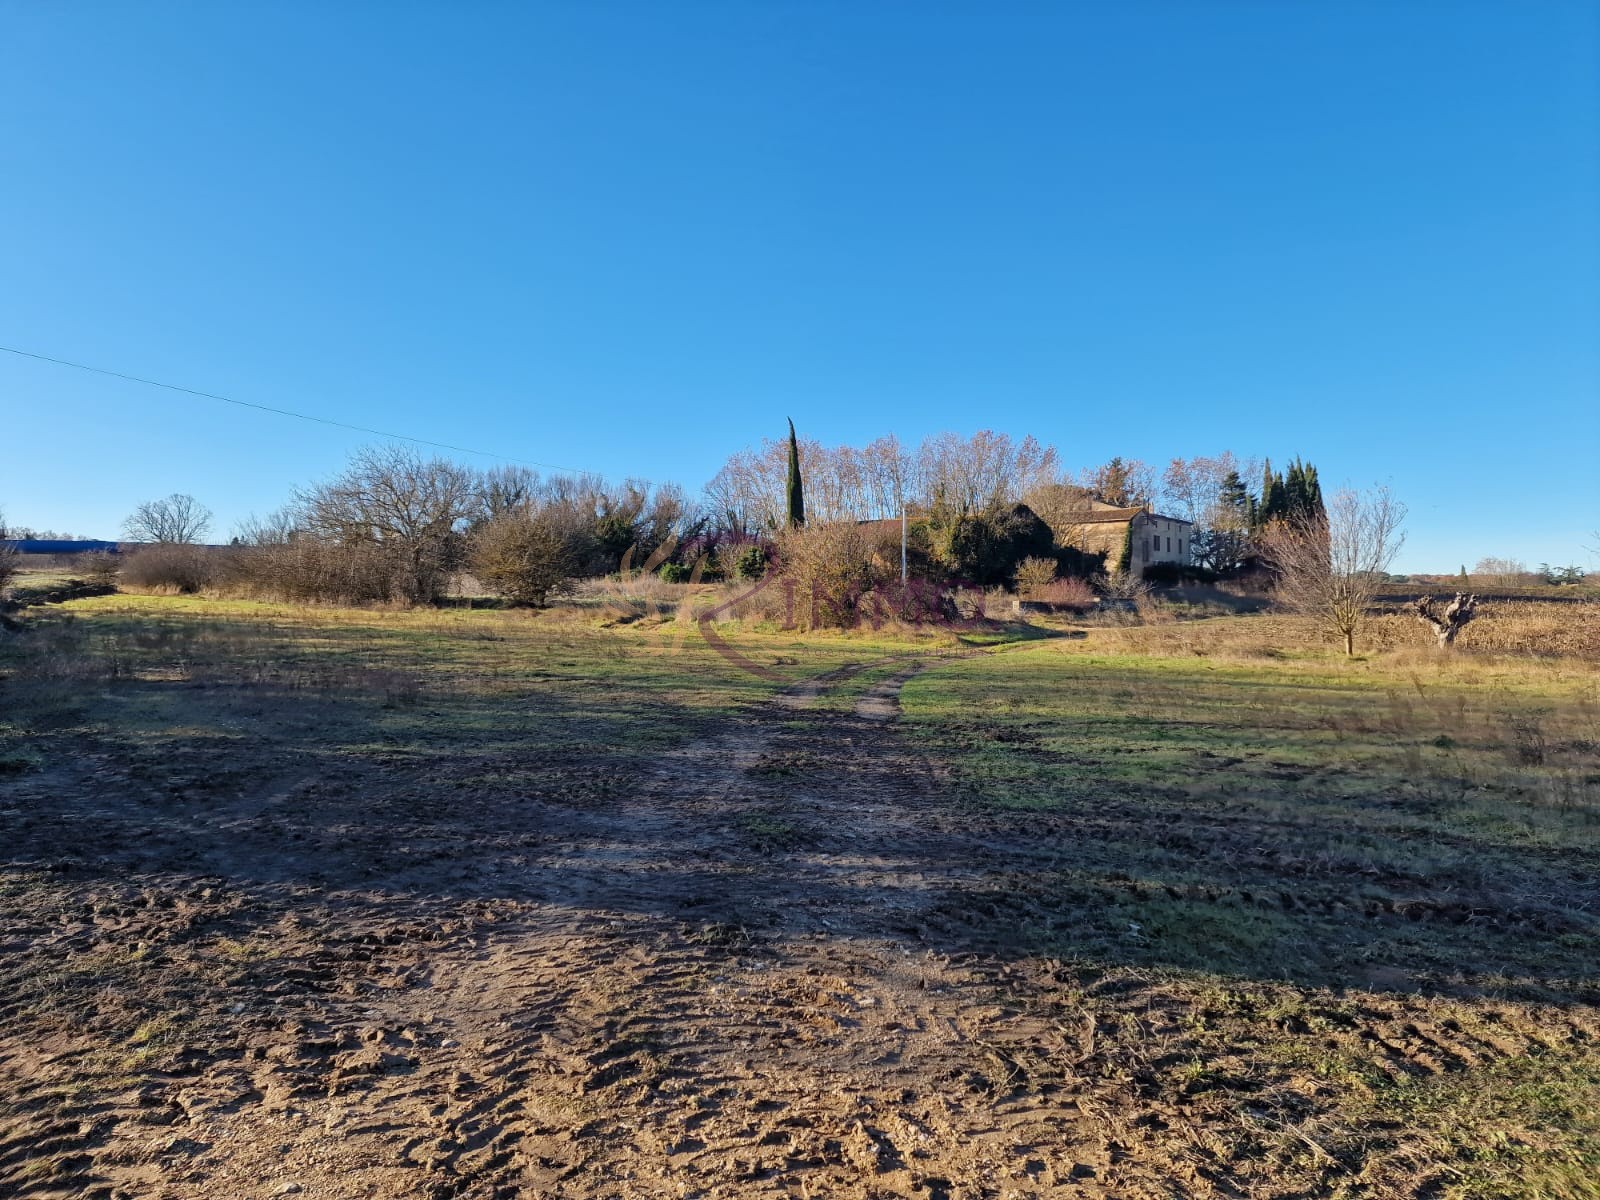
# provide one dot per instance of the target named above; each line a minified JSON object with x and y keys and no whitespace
{"x":779,"y":960}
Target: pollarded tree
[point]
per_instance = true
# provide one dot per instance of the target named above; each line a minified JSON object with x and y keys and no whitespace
{"x":177,"y":520}
{"x":1331,"y":566}
{"x":1448,"y":623}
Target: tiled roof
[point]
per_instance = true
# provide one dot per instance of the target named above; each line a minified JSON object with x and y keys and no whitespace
{"x":1112,"y":516}
{"x":1097,"y":516}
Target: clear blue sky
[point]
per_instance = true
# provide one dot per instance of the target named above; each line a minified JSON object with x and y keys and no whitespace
{"x":634,"y":237}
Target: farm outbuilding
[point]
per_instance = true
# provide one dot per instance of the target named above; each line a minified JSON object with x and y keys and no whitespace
{"x":1150,"y":537}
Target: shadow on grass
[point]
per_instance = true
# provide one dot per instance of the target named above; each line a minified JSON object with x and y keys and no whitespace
{"x":402,"y":765}
{"x":594,"y":804}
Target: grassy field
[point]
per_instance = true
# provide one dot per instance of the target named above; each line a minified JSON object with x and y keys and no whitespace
{"x":487,"y":903}
{"x":1359,"y":886}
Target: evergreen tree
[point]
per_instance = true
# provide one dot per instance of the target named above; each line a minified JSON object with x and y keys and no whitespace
{"x":1313,"y":486}
{"x":1274,"y":496}
{"x":1226,"y":544}
{"x":796,"y":491}
{"x":1117,"y":483}
{"x":1235,"y":499}
{"x":1302,"y":493}
{"x":1293,"y":495}
{"x":1294,"y":491}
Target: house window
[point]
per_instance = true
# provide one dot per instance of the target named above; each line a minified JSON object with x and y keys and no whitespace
{"x":1180,"y":547}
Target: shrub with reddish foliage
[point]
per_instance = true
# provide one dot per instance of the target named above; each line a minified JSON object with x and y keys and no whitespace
{"x":1070,"y":591}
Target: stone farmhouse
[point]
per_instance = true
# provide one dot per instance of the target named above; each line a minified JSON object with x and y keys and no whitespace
{"x":1155,"y":538}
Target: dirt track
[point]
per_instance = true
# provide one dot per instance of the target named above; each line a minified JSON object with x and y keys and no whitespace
{"x":781,"y":960}
{"x":718,"y":984}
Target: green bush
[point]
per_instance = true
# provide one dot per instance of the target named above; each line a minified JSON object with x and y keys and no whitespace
{"x":750,"y":563}
{"x":987,"y":549}
{"x":1169,"y":574}
{"x":672,"y":572}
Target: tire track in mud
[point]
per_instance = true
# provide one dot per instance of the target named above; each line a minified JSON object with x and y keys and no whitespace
{"x":760,"y":973}
{"x":757,"y":1024}
{"x":741,"y":1005}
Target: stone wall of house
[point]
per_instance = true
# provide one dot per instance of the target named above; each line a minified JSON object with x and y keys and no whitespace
{"x":1158,"y":539}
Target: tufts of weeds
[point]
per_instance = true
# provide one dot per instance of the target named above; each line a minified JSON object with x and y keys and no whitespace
{"x":1527,"y":745}
{"x":769,"y":832}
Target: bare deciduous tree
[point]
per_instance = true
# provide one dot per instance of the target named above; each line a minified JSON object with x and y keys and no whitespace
{"x":412,"y":509}
{"x":1034,"y":575}
{"x":8,"y":556}
{"x":965,"y":476}
{"x":527,"y":556}
{"x":951,"y":473}
{"x":1207,"y":492}
{"x":1499,"y":572}
{"x":1330,"y":568}
{"x":889,"y":478}
{"x":1062,"y":506}
{"x":832,"y":565}
{"x":747,"y":493}
{"x":177,"y":520}
{"x":506,"y":489}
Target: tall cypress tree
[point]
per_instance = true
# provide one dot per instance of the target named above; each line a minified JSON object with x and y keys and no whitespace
{"x":1294,"y":490}
{"x":1314,"y":494}
{"x":1302,"y":493}
{"x":797,"y":498}
{"x":1274,"y":495}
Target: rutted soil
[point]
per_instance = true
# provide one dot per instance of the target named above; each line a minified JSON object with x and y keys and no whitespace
{"x":778,"y":963}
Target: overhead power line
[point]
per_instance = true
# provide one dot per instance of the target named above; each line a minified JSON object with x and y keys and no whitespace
{"x":283,"y":412}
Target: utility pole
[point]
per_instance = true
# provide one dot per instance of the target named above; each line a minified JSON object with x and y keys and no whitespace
{"x":902,"y":543}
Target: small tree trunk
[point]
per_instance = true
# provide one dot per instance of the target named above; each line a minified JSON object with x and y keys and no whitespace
{"x":1349,"y":643}
{"x":1445,"y":626}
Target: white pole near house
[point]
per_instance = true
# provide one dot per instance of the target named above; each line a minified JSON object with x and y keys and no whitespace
{"x":902,"y":543}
